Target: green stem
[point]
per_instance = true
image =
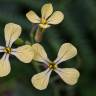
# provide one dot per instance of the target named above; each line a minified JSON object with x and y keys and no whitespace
{"x":32,"y":34}
{"x":36,"y":66}
{"x":32,"y":38}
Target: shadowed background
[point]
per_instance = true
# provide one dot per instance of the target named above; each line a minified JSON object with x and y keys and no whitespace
{"x":78,"y":28}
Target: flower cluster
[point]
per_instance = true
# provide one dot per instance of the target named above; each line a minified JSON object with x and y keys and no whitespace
{"x":36,"y":52}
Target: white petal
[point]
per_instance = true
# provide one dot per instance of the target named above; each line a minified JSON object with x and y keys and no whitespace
{"x":56,"y":18}
{"x":4,"y":66}
{"x":39,"y":53}
{"x":66,"y":51}
{"x":24,"y":53}
{"x":46,"y":10}
{"x":40,"y":81}
{"x":68,"y":75}
{"x":44,"y":26}
{"x":2,"y":49}
{"x":32,"y":17}
{"x":12,"y":32}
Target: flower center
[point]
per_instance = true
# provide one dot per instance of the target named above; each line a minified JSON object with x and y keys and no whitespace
{"x":7,"y":50}
{"x":43,"y":21}
{"x":52,"y":66}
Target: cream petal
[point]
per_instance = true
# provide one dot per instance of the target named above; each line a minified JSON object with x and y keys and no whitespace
{"x":46,"y":10}
{"x":56,"y":18}
{"x":12,"y":32}
{"x":24,"y":53}
{"x":2,"y":49}
{"x":40,"y":81}
{"x":5,"y":67}
{"x":68,"y":75}
{"x":44,"y":26}
{"x":32,"y":17}
{"x":40,"y":54}
{"x":66,"y":51}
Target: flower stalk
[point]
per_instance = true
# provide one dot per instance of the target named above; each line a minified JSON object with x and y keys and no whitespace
{"x":39,"y":34}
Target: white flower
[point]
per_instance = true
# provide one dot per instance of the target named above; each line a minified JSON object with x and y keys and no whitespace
{"x":47,"y":18}
{"x":68,"y":75}
{"x":23,"y":53}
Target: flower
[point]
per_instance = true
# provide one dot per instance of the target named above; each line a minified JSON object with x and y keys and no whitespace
{"x":47,"y":19}
{"x":23,"y":53}
{"x":68,"y":75}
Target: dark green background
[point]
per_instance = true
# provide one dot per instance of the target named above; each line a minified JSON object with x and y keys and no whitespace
{"x":78,"y":28}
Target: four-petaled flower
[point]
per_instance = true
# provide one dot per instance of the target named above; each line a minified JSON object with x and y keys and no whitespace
{"x":47,"y":19}
{"x":23,"y":53}
{"x":69,"y":75}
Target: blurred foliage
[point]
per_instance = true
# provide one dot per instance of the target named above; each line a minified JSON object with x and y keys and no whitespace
{"x":78,"y":28}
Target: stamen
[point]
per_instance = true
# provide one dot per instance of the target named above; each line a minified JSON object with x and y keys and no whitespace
{"x":43,"y":21}
{"x":52,"y":66}
{"x":7,"y":50}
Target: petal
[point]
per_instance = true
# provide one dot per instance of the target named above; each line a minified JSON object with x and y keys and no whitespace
{"x":40,"y":81}
{"x":56,"y":18}
{"x":46,"y":10}
{"x":24,"y":53}
{"x":4,"y":66}
{"x":39,"y":53}
{"x":44,"y":26}
{"x":32,"y":17}
{"x":12,"y":32}
{"x":67,"y":51}
{"x":69,"y":75}
{"x":2,"y":49}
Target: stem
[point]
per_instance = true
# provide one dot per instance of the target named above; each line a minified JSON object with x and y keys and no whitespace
{"x":32,"y":33}
{"x":36,"y":66}
{"x":56,"y":91}
{"x":39,"y":34}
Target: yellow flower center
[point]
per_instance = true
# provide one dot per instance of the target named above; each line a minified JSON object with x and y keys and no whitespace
{"x":52,"y":66}
{"x":43,"y":21}
{"x":7,"y":50}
